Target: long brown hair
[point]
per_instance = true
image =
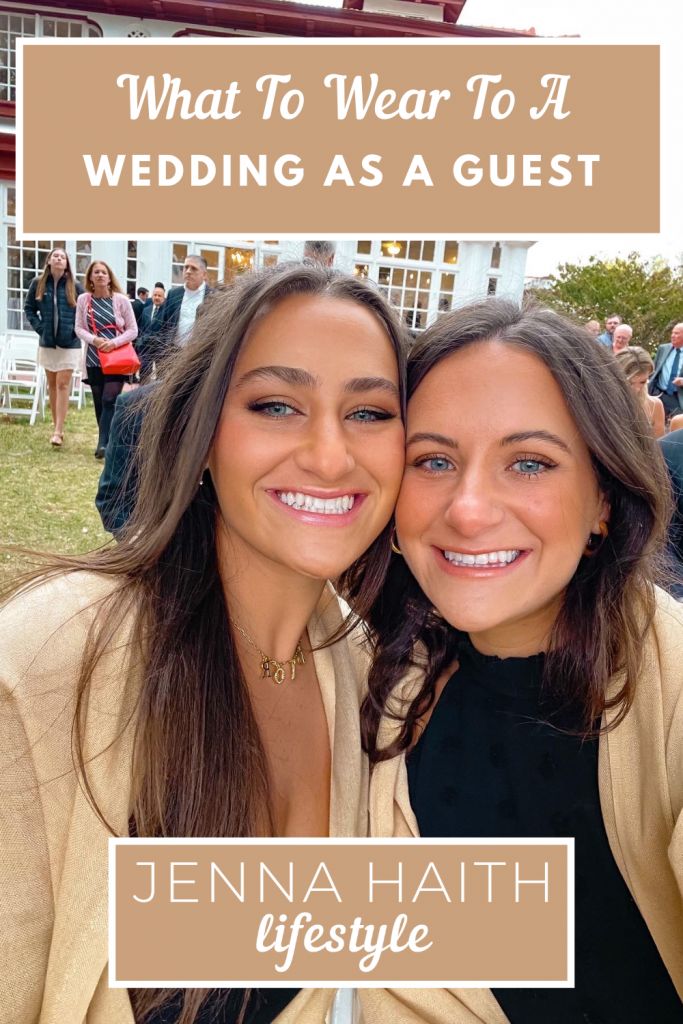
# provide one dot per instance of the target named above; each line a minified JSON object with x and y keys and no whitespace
{"x":199,"y":767}
{"x":114,"y":285}
{"x":634,"y":360}
{"x":69,"y":282}
{"x":609,"y":602}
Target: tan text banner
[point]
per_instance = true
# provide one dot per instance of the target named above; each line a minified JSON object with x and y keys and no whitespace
{"x":352,"y":912}
{"x":321,"y":138}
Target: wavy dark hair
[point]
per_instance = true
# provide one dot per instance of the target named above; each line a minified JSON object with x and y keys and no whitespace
{"x":199,"y":767}
{"x":69,"y":280}
{"x":609,"y":602}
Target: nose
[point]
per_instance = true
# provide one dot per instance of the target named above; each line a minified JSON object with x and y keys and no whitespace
{"x":326,"y":451}
{"x":473,"y":506}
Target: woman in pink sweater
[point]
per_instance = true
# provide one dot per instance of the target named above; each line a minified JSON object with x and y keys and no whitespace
{"x":104,"y":321}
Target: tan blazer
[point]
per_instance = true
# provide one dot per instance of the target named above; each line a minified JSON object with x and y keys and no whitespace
{"x":53,"y":848}
{"x":641,"y":793}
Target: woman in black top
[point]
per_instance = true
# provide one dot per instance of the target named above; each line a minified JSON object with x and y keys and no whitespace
{"x":531,"y":513}
{"x":50,"y":308}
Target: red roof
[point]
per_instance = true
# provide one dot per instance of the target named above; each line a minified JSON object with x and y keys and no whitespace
{"x":270,"y":17}
{"x":280,"y":18}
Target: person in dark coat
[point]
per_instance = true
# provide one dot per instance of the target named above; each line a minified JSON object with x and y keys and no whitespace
{"x":118,"y":486}
{"x":50,"y":308}
{"x":672,"y":449}
{"x":140,"y":304}
{"x":145,"y":345}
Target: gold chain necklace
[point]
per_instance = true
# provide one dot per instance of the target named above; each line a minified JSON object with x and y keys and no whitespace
{"x":270,"y":667}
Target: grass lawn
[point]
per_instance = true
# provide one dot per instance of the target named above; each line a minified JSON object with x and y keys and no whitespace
{"x":47,"y":494}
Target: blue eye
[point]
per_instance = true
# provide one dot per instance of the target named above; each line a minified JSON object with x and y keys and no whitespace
{"x":370,"y":415}
{"x":531,"y":467}
{"x":276,"y":410}
{"x":435,"y":464}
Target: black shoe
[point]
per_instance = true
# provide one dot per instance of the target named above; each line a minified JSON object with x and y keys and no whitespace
{"x":99,"y":453}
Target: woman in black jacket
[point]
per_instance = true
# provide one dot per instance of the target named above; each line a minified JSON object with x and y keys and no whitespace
{"x":50,"y":308}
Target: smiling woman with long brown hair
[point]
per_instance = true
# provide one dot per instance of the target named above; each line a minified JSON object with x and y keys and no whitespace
{"x":134,"y":697}
{"x":543,"y":690}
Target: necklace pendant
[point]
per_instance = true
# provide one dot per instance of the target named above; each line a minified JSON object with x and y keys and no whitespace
{"x":265,"y":667}
{"x":279,"y":674}
{"x":292,"y":669}
{"x":299,"y":658}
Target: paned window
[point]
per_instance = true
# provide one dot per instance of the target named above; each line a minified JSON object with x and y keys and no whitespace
{"x":25,"y":261}
{"x":408,"y":291}
{"x":15,"y":26}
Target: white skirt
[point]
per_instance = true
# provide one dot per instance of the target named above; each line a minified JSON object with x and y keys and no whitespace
{"x":56,"y":359}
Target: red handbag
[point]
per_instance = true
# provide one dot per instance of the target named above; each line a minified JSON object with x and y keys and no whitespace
{"x":122,"y":360}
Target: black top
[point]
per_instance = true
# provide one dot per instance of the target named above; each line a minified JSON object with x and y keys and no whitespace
{"x":489,"y":764}
{"x":264,"y":1006}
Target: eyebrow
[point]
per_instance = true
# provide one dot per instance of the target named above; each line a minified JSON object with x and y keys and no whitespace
{"x":287,"y":374}
{"x":523,"y":435}
{"x":441,"y":439}
{"x":536,"y":435}
{"x":296,"y":377}
{"x":359,"y":384}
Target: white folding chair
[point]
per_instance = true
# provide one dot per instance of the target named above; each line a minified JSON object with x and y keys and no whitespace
{"x":22,"y":381}
{"x":77,"y":393}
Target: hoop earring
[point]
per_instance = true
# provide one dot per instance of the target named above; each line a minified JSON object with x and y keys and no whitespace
{"x":394,"y":546}
{"x":596,"y":540}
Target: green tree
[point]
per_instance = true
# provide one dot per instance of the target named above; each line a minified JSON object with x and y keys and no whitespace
{"x":647,"y":294}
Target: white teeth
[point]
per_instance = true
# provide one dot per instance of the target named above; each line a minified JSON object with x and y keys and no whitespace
{"x":498,"y":558}
{"x":308,"y":503}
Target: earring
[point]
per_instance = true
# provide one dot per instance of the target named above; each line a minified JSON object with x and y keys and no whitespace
{"x":596,"y":540}
{"x":394,"y":546}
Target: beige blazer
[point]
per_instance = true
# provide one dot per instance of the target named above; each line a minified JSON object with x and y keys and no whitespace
{"x":53,"y":848}
{"x":640,"y":773}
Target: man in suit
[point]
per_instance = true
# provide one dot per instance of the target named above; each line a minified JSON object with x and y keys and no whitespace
{"x":145,"y":344}
{"x":174,"y":323}
{"x":672,"y":449}
{"x":666,"y":381}
{"x":140,"y":303}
